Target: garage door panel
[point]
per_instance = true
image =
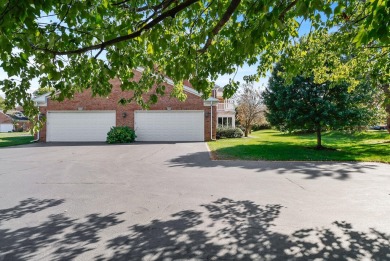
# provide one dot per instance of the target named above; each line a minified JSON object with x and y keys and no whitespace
{"x":6,"y":127}
{"x":169,"y":125}
{"x":79,"y":126}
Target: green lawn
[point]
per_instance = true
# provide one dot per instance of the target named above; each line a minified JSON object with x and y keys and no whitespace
{"x":273,"y":145}
{"x":15,"y":138}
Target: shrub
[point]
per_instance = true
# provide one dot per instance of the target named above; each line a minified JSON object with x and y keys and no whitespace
{"x":121,"y":135}
{"x":263,"y":126}
{"x":229,"y":133}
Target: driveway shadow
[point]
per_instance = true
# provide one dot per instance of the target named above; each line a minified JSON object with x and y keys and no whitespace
{"x":312,"y":170}
{"x":28,"y":206}
{"x":224,"y":229}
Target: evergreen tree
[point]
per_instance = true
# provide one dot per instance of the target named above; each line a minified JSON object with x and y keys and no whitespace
{"x":305,"y":105}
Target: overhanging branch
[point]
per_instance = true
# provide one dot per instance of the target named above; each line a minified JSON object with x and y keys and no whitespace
{"x":170,"y":13}
{"x":225,"y":18}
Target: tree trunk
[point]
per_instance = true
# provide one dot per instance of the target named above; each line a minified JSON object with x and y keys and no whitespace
{"x":246,"y":131}
{"x":386,"y":89}
{"x":319,"y":143}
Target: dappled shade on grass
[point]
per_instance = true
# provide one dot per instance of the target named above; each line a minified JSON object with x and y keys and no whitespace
{"x":274,"y":145}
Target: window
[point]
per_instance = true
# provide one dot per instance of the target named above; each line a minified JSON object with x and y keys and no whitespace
{"x":225,"y":122}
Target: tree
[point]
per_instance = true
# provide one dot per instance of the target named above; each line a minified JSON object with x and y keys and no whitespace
{"x":75,"y":45}
{"x":306,"y":105}
{"x":42,"y":90}
{"x":250,"y":107}
{"x":2,"y":106}
{"x":347,"y":55}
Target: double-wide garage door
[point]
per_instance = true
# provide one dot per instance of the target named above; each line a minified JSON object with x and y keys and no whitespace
{"x":89,"y":126}
{"x":79,"y":126}
{"x":169,"y":125}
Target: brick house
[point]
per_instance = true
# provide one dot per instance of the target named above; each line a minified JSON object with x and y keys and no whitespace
{"x":87,"y":118}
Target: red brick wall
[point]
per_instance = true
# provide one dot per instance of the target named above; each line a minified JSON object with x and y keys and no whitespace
{"x":4,"y":118}
{"x":42,"y":132}
{"x":22,"y":125}
{"x":84,"y":100}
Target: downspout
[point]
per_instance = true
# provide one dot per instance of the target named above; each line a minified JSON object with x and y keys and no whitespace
{"x":211,"y":121}
{"x":37,"y":139}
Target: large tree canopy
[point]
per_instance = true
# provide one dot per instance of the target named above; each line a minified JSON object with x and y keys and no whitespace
{"x":309,"y":106}
{"x":72,"y":45}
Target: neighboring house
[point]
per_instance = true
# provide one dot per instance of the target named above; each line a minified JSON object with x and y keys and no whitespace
{"x":226,"y":112}
{"x":6,"y":124}
{"x":20,"y":122}
{"x":86,"y":118}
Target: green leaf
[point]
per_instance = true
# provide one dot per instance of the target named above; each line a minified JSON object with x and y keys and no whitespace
{"x":150,"y":49}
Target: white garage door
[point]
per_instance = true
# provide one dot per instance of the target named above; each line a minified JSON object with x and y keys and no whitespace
{"x":6,"y":127}
{"x":79,"y":125}
{"x":169,"y":125}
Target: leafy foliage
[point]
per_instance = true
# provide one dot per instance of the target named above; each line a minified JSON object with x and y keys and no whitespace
{"x":2,"y":106}
{"x":229,"y":133}
{"x":75,"y":45}
{"x":122,"y":134}
{"x":262,"y":126}
{"x":306,"y":105}
{"x":43,"y":90}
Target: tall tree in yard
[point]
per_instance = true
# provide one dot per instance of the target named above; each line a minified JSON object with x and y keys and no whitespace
{"x":250,"y":106}
{"x":306,"y":105}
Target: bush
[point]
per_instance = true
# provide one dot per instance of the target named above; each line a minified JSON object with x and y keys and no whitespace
{"x":121,"y":135}
{"x":263,"y":126}
{"x":229,"y":133}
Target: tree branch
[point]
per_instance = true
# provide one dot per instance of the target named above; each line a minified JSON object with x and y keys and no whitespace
{"x":170,"y":13}
{"x":288,"y":8}
{"x":225,"y":18}
{"x":145,"y":7}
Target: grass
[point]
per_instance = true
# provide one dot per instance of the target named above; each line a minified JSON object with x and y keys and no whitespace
{"x":15,"y":138}
{"x":373,"y":146}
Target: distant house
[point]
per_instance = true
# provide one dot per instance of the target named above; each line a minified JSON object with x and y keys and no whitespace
{"x":226,"y":113}
{"x":6,"y":123}
{"x":20,"y":122}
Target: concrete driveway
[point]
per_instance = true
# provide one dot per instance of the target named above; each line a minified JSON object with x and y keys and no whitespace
{"x":169,"y":201}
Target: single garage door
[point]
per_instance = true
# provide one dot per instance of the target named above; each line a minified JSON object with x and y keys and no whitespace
{"x":6,"y":127}
{"x":169,"y":125}
{"x":79,"y":125}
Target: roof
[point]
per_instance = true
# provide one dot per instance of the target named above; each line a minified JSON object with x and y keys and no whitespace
{"x":18,"y":118}
{"x":41,"y":99}
{"x":170,"y":82}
